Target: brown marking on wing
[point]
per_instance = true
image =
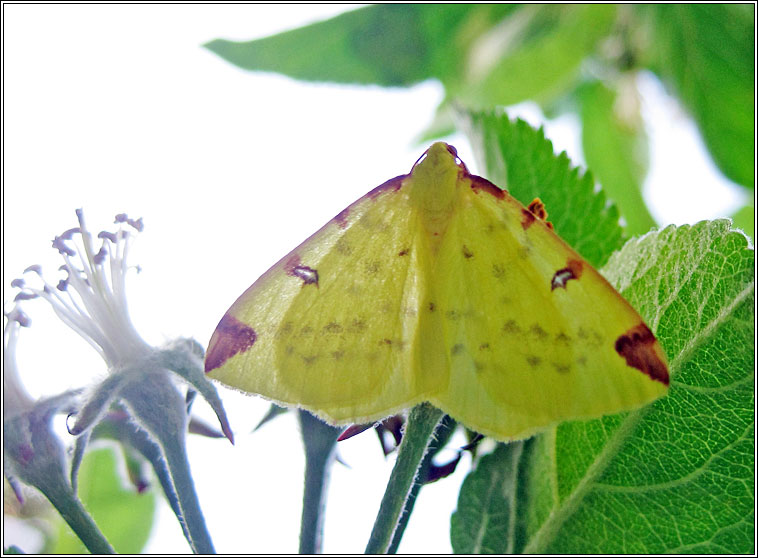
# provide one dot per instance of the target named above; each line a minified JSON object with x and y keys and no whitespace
{"x":231,"y":337}
{"x":479,"y":184}
{"x":467,"y":253}
{"x":527,"y":219}
{"x":641,"y":351}
{"x":341,"y":218}
{"x":308,"y":275}
{"x":392,"y":185}
{"x":537,"y":208}
{"x":403,"y":252}
{"x":573,"y":270}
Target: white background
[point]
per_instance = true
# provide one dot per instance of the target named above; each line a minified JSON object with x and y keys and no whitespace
{"x":118,"y":108}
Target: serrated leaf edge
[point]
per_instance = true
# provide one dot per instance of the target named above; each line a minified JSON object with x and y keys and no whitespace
{"x":542,"y":538}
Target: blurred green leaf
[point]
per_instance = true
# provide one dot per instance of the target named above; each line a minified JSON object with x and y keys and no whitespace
{"x":388,"y":44}
{"x":535,"y":53}
{"x":676,"y":476}
{"x":124,"y":516}
{"x":706,"y":54}
{"x":615,"y":148}
{"x":744,"y":219}
{"x":520,"y":159}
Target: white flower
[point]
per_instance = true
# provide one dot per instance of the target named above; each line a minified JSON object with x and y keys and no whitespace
{"x":142,"y":379}
{"x":92,"y":298}
{"x":16,"y":399}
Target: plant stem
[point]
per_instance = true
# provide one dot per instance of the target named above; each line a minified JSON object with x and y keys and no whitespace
{"x":419,"y":428}
{"x":441,"y":435}
{"x":320,"y":440}
{"x":159,"y":408}
{"x":178,"y":464}
{"x":76,"y":516}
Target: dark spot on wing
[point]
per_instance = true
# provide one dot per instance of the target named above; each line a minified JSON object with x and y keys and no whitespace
{"x":537,"y":331}
{"x":285,"y":330}
{"x":332,"y":327}
{"x":498,"y":271}
{"x":305,"y":331}
{"x":337,"y":355}
{"x":372,"y":268}
{"x":484,"y":346}
{"x":453,"y":315}
{"x":533,"y":360}
{"x":511,"y":327}
{"x":357,"y":326}
{"x":573,"y":270}
{"x":431,"y":307}
{"x":310,"y":359}
{"x":343,"y":247}
{"x":457,"y":349}
{"x":640,"y":349}
{"x":231,"y":337}
{"x":293,"y":268}
{"x":562,"y":338}
{"x":403,"y":252}
{"x":467,"y":253}
{"x":562,"y":368}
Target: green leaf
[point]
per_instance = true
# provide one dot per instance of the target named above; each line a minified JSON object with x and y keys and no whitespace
{"x":705,"y":53}
{"x":388,"y":44}
{"x":744,"y":219}
{"x":123,"y":515}
{"x":675,"y":476}
{"x":615,"y":148}
{"x":488,"y":519}
{"x":536,"y":52}
{"x":521,"y":160}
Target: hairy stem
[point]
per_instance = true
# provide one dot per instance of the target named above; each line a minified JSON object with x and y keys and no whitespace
{"x":422,"y":421}
{"x":76,"y":516}
{"x":194,"y":522}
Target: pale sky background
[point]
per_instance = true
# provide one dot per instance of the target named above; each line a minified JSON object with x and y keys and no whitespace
{"x":117,"y":108}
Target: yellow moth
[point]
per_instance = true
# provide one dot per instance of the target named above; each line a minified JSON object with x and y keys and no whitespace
{"x":438,"y":286}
